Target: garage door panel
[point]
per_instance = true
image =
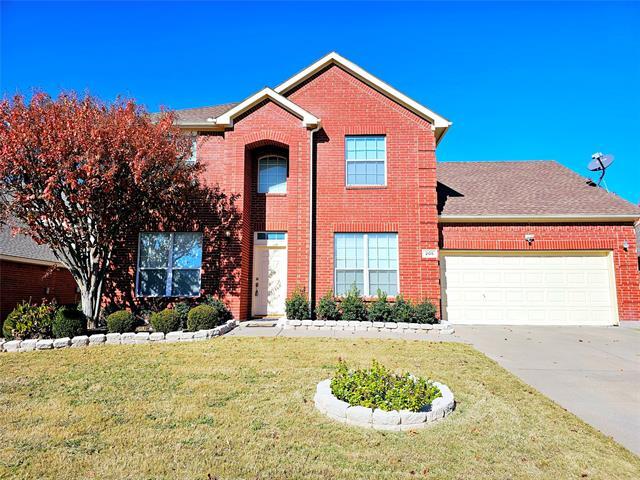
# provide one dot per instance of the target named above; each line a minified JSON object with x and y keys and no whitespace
{"x":528,"y":289}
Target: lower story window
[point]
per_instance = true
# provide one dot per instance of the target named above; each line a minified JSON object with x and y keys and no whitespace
{"x":367,"y":260}
{"x":169,"y":264}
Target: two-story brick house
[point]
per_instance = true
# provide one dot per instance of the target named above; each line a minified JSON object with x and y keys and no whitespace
{"x":338,"y":184}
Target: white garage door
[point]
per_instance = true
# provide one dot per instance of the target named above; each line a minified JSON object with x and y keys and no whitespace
{"x":522,"y":289}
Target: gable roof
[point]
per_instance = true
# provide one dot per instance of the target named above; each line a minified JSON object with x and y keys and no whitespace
{"x":524,"y":189}
{"x":218,"y":116}
{"x":22,"y":248}
{"x":440,"y":123}
{"x":226,"y":119}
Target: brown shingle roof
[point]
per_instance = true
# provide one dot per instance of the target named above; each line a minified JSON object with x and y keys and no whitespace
{"x":522,"y":188}
{"x":200,"y":114}
{"x":22,"y":246}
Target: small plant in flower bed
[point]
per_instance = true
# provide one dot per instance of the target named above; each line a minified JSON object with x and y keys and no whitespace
{"x":29,"y":320}
{"x":353,"y":307}
{"x":425,"y":312}
{"x":327,"y":308}
{"x":69,"y":322}
{"x":204,"y":317}
{"x":120,"y":321}
{"x":297,"y":305}
{"x":165,"y":321}
{"x":223,"y":312}
{"x":381,"y":310}
{"x":378,"y":387}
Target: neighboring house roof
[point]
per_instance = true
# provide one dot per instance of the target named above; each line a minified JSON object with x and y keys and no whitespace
{"x":213,"y":117}
{"x":524,"y":189}
{"x":22,"y":248}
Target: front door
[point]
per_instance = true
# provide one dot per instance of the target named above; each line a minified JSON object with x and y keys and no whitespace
{"x":269,"y":273}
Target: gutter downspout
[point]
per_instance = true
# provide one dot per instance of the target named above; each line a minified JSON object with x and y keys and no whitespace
{"x":311,"y":185}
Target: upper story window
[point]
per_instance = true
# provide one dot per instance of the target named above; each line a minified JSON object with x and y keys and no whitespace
{"x":272,"y":174}
{"x":366,"y":158}
{"x":169,"y":264}
{"x":367,"y":260}
{"x":194,"y":150}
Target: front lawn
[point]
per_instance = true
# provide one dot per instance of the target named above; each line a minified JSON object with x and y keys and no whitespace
{"x":242,"y":408}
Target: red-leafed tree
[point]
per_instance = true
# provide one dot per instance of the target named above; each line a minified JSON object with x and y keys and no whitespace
{"x":79,"y":175}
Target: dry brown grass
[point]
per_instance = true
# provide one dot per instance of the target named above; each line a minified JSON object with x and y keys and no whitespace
{"x":242,"y":408}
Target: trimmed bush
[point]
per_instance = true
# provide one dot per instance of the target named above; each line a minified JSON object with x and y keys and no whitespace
{"x":165,"y":321}
{"x":28,"y":320}
{"x":182,"y":310}
{"x":353,"y":307}
{"x":224,"y":314}
{"x":69,"y":322}
{"x":121,"y":321}
{"x":327,"y":308}
{"x":202,"y":317}
{"x":297,"y":305}
{"x":381,"y":310}
{"x":379,"y":388}
{"x":403,"y":310}
{"x":426,"y":312}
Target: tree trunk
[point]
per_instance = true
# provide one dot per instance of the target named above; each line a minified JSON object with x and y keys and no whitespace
{"x":91,"y":296}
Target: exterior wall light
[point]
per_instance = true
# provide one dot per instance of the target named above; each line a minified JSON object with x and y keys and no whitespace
{"x":227,"y":233}
{"x":625,"y":245}
{"x":529,"y":237}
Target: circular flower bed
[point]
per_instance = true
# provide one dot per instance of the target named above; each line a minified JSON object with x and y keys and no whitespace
{"x":378,"y":399}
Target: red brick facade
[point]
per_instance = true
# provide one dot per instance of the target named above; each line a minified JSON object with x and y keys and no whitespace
{"x":406,"y":205}
{"x":28,"y":281}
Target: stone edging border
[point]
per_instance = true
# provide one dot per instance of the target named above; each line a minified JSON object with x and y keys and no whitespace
{"x":129,"y":338}
{"x":442,"y":328}
{"x":394,"y":420}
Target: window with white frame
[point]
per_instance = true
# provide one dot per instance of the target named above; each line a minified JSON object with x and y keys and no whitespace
{"x":366,"y":157}
{"x":272,"y":174}
{"x":367,"y":260}
{"x":169,"y":264}
{"x":194,"y":150}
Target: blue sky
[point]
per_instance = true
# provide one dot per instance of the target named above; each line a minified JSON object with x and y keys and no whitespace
{"x":519,"y":80}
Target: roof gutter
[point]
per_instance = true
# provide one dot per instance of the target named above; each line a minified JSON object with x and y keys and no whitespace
{"x":311,"y":185}
{"x":536,"y":218}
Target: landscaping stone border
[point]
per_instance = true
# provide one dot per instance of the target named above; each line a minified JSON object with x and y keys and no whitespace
{"x":442,"y":328}
{"x":395,"y":420}
{"x":129,"y":338}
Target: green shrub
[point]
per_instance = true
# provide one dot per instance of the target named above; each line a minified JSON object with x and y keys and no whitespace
{"x":69,"y":322}
{"x":297,"y":305}
{"x":425,"y":312}
{"x":182,"y":310}
{"x":403,"y":310}
{"x":29,"y":320}
{"x":224,"y":314}
{"x":327,"y":308}
{"x":352,"y":306}
{"x":202,"y":317}
{"x":381,"y":310}
{"x":121,"y":321}
{"x":379,"y":388}
{"x":165,"y":321}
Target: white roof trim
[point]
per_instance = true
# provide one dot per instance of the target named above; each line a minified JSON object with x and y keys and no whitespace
{"x":439,"y":122}
{"x":34,"y":261}
{"x":226,"y":119}
{"x":535,"y":218}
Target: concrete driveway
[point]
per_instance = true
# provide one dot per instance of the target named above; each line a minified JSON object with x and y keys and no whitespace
{"x":594,"y":372}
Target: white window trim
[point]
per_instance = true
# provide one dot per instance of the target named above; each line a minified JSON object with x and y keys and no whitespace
{"x":365,"y":265}
{"x":193,"y":159}
{"x":169,"y":269}
{"x":346,"y":163}
{"x":286,"y":176}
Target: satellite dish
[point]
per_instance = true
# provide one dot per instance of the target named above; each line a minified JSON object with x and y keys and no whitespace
{"x":599,"y":163}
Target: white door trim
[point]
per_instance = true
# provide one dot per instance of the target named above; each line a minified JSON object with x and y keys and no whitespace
{"x":268,"y":244}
